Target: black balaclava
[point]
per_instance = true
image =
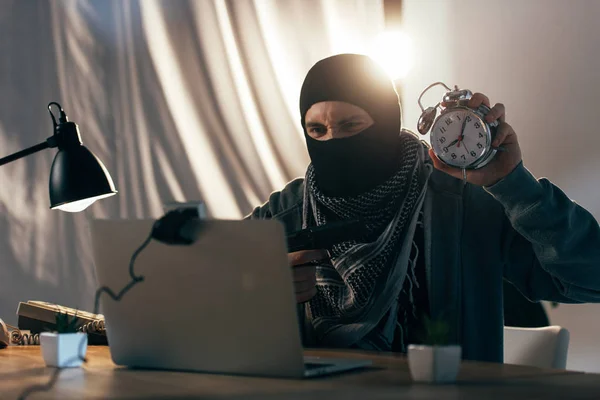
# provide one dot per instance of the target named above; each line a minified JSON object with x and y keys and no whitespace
{"x":351,"y":166}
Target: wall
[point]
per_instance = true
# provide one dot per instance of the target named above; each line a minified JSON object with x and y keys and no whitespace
{"x":541,"y":58}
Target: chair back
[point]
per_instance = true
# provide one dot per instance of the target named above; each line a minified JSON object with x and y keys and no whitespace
{"x":545,"y":347}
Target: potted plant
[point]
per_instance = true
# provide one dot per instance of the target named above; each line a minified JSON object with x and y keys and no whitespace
{"x":65,"y":347}
{"x":436,"y":360}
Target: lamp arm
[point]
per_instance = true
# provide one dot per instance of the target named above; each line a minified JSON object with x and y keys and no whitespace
{"x":50,"y":142}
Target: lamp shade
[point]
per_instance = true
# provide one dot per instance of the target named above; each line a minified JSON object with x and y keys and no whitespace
{"x":77,"y":179}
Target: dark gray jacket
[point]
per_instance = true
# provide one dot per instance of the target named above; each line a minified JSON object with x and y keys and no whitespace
{"x":522,"y":229}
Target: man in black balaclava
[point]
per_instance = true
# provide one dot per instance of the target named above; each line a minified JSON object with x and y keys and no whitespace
{"x":348,"y":166}
{"x":363,"y":168}
{"x":446,"y":256}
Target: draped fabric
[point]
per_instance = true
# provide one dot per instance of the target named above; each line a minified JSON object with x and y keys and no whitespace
{"x":182,"y":100}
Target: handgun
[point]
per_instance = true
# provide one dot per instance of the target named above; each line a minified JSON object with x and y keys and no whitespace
{"x":323,"y":237}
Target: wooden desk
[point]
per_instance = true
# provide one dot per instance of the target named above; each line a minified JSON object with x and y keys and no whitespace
{"x":388,"y":379}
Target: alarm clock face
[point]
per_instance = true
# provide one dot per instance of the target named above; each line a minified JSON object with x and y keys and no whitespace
{"x":460,"y":138}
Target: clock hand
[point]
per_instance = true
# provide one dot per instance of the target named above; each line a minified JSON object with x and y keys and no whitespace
{"x":466,"y":147}
{"x":452,"y":143}
{"x":462,"y":132}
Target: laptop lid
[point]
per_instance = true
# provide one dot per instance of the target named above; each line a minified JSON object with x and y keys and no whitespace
{"x":223,"y":304}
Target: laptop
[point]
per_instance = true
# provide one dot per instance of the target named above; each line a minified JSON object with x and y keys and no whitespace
{"x":224,"y":304}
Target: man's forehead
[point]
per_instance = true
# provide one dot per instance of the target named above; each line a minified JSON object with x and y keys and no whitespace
{"x":334,"y":111}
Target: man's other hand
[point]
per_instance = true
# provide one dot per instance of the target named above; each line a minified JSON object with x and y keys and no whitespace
{"x":304,"y":271}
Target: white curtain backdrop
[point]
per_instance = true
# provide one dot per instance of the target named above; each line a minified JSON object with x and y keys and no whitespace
{"x":181,"y":99}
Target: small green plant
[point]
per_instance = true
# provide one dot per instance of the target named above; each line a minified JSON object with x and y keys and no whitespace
{"x":436,"y":332}
{"x":66,"y":324}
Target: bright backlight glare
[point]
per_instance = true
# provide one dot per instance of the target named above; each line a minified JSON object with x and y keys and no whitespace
{"x":395,"y":52}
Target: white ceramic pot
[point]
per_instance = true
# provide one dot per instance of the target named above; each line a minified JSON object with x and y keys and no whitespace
{"x":63,"y":350}
{"x":434,"y":364}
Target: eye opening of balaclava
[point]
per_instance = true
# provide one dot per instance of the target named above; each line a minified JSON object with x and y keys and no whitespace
{"x":351,"y":166}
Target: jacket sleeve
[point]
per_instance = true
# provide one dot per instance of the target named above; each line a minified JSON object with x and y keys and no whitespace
{"x":551,"y":245}
{"x":261,"y":212}
{"x":280,"y":202}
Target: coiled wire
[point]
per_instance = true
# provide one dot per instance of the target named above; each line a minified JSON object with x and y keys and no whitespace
{"x":17,"y":337}
{"x":93,"y":327}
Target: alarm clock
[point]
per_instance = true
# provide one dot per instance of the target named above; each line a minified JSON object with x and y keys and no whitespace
{"x":460,"y":136}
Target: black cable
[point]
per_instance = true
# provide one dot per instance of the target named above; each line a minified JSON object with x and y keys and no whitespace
{"x":116,"y":297}
{"x":134,"y":279}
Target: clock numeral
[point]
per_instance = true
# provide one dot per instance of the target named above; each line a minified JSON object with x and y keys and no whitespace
{"x":445,"y":149}
{"x":477,"y":125}
{"x":442,"y":140}
{"x":442,"y":129}
{"x":463,"y":157}
{"x":453,"y":156}
{"x":473,"y":154}
{"x":480,"y":134}
{"x":479,"y":146}
{"x":448,"y":121}
{"x":458,"y":118}
{"x":468,"y":118}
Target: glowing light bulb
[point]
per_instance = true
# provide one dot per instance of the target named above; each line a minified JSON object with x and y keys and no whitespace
{"x":80,"y":205}
{"x":394,"y":51}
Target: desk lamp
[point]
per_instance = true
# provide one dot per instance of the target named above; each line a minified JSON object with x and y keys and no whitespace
{"x":77,"y":178}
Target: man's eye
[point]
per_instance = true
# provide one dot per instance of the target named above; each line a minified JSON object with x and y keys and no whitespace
{"x":318,"y":130}
{"x":352,"y":125}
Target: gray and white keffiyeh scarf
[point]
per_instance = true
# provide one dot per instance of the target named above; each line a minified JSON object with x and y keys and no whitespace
{"x":366,"y":274}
